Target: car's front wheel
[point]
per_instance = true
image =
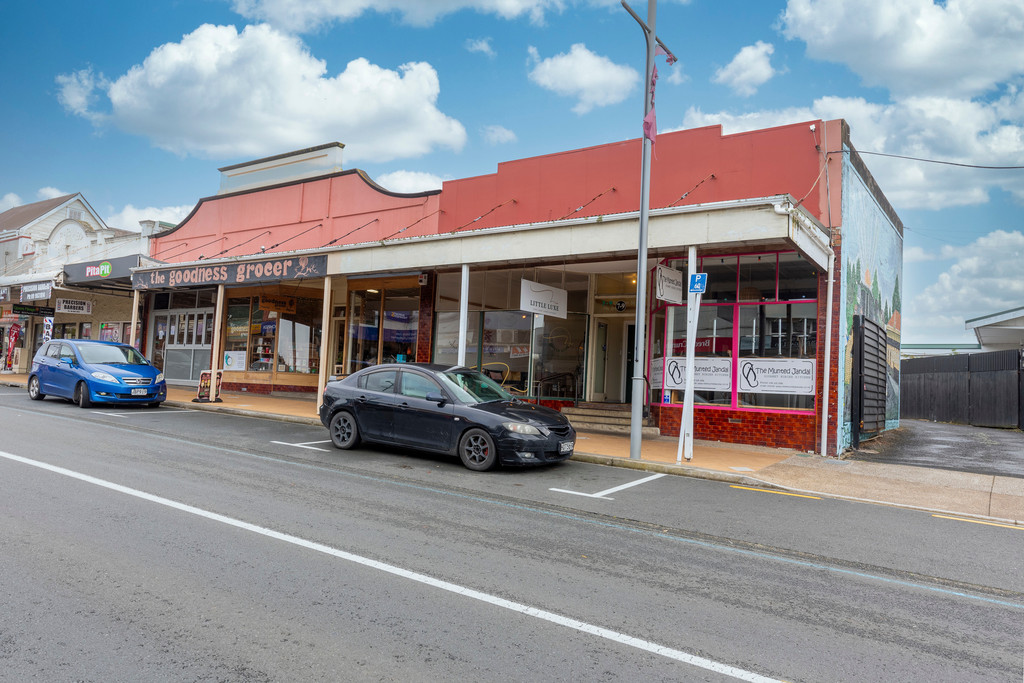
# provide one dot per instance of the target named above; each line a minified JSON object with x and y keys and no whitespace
{"x":477,"y":451}
{"x":82,"y":395}
{"x":344,"y":430}
{"x":34,"y":391}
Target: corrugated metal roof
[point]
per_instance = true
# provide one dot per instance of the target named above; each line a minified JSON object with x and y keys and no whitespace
{"x":20,"y":216}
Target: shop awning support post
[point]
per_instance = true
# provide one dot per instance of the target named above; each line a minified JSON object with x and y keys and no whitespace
{"x":692,"y":320}
{"x":325,"y":341}
{"x":639,"y":393}
{"x":136,"y":295}
{"x":463,"y":313}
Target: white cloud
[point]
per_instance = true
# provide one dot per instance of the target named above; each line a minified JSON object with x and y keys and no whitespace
{"x":50,"y":193}
{"x":497,"y":135}
{"x":594,"y":81}
{"x":959,"y":131}
{"x":302,"y":15}
{"x":953,"y":48}
{"x":986,"y":277}
{"x":748,"y":70}
{"x":225,"y":94}
{"x":918,"y":255}
{"x":128,"y":218}
{"x":77,"y":93}
{"x":409,"y":181}
{"x":482,"y":45}
{"x":674,"y":74}
{"x":9,"y":201}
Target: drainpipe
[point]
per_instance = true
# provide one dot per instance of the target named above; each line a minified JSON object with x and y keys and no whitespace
{"x":828,"y":354}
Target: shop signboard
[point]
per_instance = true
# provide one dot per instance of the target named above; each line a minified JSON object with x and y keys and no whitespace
{"x":280,"y":304}
{"x":776,"y":376}
{"x":669,"y":285}
{"x":208,"y":390}
{"x":36,"y":291}
{"x":234,"y":273}
{"x":543,"y":299}
{"x":76,"y":306}
{"x":712,"y":373}
{"x":22,"y":309}
{"x":108,"y":269}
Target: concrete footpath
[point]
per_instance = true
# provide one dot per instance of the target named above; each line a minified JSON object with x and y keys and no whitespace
{"x":993,"y":498}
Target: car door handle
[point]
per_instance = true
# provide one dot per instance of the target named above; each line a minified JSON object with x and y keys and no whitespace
{"x":361,"y":399}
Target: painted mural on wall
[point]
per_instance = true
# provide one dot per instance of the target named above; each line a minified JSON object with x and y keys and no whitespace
{"x":872,"y":270}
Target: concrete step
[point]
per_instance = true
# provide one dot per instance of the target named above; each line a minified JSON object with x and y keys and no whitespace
{"x":605,"y":428}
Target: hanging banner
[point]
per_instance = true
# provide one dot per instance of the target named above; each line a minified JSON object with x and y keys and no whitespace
{"x":712,"y":373}
{"x":544,"y":299}
{"x":668,"y":285}
{"x":777,"y":376}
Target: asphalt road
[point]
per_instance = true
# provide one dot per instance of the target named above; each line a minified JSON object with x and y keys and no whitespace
{"x":940,"y":445}
{"x":192,"y":546}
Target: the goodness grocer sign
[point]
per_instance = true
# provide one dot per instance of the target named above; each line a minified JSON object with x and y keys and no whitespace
{"x":293,"y":268}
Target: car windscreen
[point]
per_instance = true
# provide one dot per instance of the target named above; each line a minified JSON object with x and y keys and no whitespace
{"x":472,"y":387}
{"x":103,"y":354}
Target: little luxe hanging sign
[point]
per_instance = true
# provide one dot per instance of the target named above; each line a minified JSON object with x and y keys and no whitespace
{"x":544,"y":299}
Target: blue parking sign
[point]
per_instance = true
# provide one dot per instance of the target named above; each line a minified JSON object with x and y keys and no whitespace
{"x":698,"y":283}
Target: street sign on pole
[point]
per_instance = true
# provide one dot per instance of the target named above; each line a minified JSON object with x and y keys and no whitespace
{"x":698,"y":283}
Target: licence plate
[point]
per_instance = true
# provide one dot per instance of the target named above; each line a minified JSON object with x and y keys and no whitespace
{"x":566,"y":446}
{"x":139,"y":392}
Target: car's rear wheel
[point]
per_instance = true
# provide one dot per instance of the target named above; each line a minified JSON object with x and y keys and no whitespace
{"x":34,"y":391}
{"x":82,"y":395}
{"x":344,"y":430}
{"x":477,"y":451}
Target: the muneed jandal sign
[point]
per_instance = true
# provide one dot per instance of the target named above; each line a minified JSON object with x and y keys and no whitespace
{"x":237,"y":273}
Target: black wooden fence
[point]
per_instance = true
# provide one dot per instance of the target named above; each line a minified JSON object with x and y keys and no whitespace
{"x":982,"y":389}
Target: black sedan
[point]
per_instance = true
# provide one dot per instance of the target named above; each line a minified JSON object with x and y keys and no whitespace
{"x":444,"y":409}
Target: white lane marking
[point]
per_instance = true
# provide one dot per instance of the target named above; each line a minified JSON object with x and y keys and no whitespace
{"x":304,"y":445}
{"x":164,"y":411}
{"x":604,"y":494}
{"x":568,"y":622}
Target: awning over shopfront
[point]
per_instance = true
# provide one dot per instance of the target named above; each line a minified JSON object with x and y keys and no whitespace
{"x":114,"y":273}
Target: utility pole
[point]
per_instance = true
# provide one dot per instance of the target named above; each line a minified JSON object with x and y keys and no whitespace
{"x":639,"y":386}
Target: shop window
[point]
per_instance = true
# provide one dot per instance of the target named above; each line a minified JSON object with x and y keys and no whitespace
{"x":85,"y":331}
{"x":298,"y":338}
{"x":757,"y":278}
{"x":798,"y":278}
{"x":183,"y":299}
{"x":446,"y":339}
{"x":505,"y":351}
{"x":236,"y":338}
{"x":65,"y":331}
{"x":721,"y":272}
{"x":713,"y":351}
{"x":161,"y":301}
{"x":383,"y":326}
{"x":558,"y":352}
{"x":782,"y":340}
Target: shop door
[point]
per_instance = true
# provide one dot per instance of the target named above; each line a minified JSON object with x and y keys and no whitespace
{"x":181,"y":343}
{"x":600,"y":361}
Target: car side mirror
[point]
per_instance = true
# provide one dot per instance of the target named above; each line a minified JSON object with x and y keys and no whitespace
{"x":70,"y":360}
{"x":436,"y":398}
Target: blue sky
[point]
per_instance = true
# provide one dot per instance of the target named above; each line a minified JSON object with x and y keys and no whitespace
{"x":136,"y":105}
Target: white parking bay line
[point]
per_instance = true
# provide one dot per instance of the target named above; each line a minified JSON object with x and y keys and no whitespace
{"x":303,"y":445}
{"x":423,"y":579}
{"x":604,"y":494}
{"x":165,"y":411}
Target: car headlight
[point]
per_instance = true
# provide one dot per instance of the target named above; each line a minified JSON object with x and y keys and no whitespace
{"x":521,"y":428}
{"x":105,"y":376}
{"x":160,"y":378}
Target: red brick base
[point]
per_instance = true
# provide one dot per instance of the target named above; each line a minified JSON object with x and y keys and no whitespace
{"x":773,"y":430}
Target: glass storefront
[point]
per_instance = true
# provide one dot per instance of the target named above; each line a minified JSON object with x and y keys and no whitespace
{"x":271,"y":333}
{"x":756,"y":344}
{"x":383,"y":325}
{"x":540,"y":356}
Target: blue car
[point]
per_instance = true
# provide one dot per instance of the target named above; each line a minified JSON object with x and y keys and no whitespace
{"x":88,"y":372}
